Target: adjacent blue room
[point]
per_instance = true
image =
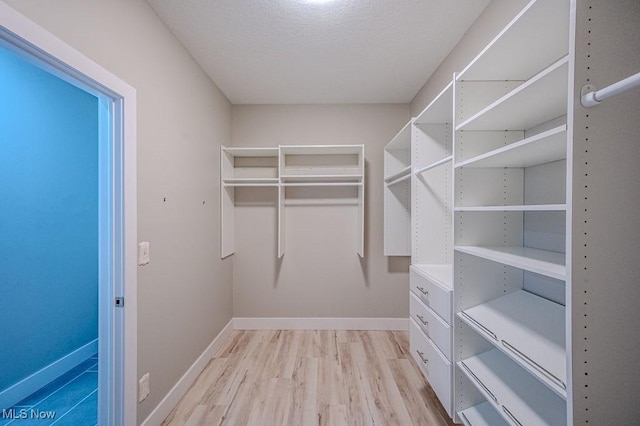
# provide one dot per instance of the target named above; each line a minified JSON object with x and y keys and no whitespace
{"x":48,"y":247}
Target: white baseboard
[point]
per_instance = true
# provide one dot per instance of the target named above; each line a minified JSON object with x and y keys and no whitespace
{"x":46,"y":375}
{"x":399,"y":324}
{"x":176,"y":393}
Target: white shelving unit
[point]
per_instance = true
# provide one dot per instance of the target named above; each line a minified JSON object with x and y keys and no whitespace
{"x":524,"y":242}
{"x":288,"y":166}
{"x":510,"y":173}
{"x":397,"y":194}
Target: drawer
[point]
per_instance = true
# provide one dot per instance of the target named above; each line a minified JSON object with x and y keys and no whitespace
{"x":432,"y":294}
{"x":436,"y":369}
{"x":431,"y":324}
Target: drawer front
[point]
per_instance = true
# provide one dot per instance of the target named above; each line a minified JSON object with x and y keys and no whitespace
{"x":437,"y":370}
{"x":432,"y":294}
{"x":431,"y":324}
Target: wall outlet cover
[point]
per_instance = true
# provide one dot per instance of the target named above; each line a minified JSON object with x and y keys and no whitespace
{"x":143,"y":388}
{"x":143,"y":253}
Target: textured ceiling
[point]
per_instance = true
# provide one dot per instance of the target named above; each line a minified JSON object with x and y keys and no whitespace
{"x":319,"y":51}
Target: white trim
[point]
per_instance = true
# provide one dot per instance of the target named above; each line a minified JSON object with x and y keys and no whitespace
{"x":42,"y":377}
{"x":68,"y":63}
{"x":395,"y":324}
{"x":176,"y":393}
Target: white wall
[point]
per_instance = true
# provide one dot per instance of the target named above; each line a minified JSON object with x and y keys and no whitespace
{"x":185,"y":293}
{"x":490,"y":22}
{"x":321,"y":274}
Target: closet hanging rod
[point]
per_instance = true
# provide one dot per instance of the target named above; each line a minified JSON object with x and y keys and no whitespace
{"x":591,"y":97}
{"x":434,"y":165}
{"x":323,"y":184}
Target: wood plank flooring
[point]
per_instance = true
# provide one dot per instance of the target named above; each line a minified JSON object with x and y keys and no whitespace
{"x":291,"y":377}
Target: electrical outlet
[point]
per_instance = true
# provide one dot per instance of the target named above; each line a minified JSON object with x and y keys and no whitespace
{"x":143,"y":253}
{"x":143,"y":388}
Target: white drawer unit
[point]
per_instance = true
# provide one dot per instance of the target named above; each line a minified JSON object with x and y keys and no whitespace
{"x":435,"y":367}
{"x":432,"y":293}
{"x":431,"y":324}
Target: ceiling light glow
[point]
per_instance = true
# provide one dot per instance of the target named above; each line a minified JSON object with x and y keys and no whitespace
{"x":318,"y":1}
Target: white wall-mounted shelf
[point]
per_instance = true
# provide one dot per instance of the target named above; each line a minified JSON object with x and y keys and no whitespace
{"x":543,"y":262}
{"x":239,"y":181}
{"x":530,"y":330}
{"x":517,"y":396}
{"x":440,"y":110}
{"x":288,"y":166}
{"x":538,"y":100}
{"x":541,"y":148}
{"x":326,"y":175}
{"x":535,"y":38}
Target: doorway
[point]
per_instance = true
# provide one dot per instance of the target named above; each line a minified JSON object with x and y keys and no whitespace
{"x":49,"y":247}
{"x":112,"y":216}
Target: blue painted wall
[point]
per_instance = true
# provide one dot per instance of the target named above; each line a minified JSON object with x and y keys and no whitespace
{"x":48,"y":218}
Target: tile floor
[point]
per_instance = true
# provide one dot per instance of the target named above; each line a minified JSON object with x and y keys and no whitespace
{"x":73,"y":397}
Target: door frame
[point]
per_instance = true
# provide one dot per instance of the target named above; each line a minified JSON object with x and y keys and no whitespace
{"x":117,"y":332}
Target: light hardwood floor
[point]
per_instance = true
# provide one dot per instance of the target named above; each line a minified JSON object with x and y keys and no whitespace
{"x":287,"y":377}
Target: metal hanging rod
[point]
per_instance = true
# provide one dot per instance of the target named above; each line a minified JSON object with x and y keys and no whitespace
{"x":590,"y":97}
{"x":434,"y":165}
{"x":400,"y":179}
{"x":323,"y":184}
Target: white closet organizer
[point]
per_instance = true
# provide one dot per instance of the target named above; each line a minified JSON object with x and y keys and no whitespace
{"x":288,"y":166}
{"x":397,"y":194}
{"x":510,"y":222}
{"x":527,"y":222}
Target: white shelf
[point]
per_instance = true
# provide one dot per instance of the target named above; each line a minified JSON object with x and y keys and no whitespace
{"x":321,"y":149}
{"x":249,"y":180}
{"x":440,"y":110}
{"x":401,"y":141}
{"x":434,"y":165}
{"x":397,"y":177}
{"x":536,"y":37}
{"x":288,"y":166}
{"x":530,"y":330}
{"x":543,"y":262}
{"x":514,"y":393}
{"x":536,"y":101}
{"x":251,"y":152}
{"x":542,"y":148}
{"x":442,"y":274}
{"x":482,"y":414}
{"x":250,"y":185}
{"x":520,"y":208}
{"x":314,"y":176}
{"x":321,"y":183}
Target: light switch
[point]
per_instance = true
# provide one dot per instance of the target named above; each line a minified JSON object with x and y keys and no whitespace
{"x":143,"y":253}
